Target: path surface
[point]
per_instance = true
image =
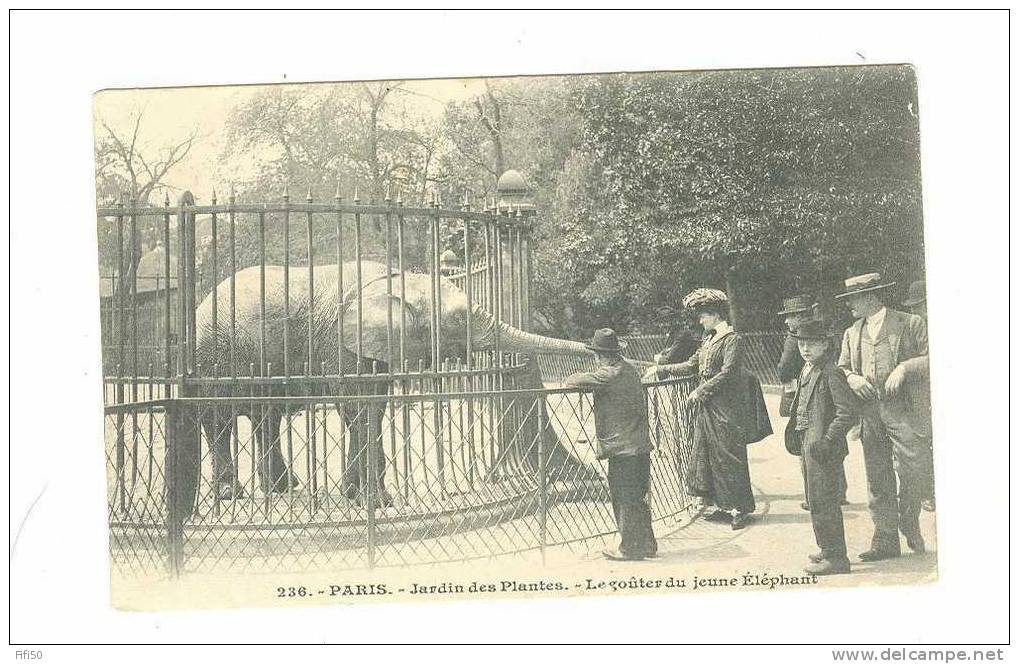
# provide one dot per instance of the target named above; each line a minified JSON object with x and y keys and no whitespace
{"x":781,"y":536}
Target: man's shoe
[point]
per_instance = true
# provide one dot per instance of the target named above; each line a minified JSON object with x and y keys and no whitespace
{"x":740,"y":521}
{"x":928,"y":505}
{"x":816,"y":557}
{"x":828,"y":567}
{"x":843,"y":502}
{"x":805,"y":506}
{"x":873,"y":555}
{"x":719,"y":516}
{"x":616,"y":554}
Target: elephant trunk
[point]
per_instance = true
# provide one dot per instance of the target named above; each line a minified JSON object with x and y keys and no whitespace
{"x":514,"y":340}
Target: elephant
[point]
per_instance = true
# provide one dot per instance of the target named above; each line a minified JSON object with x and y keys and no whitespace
{"x":325,"y":317}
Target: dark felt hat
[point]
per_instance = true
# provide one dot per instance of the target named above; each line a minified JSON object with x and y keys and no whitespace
{"x":605,"y":341}
{"x":812,"y":329}
{"x":798,"y":304}
{"x":864,"y":283}
{"x":917,"y":294}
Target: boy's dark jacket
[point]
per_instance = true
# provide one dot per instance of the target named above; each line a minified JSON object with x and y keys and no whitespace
{"x":833,"y":409}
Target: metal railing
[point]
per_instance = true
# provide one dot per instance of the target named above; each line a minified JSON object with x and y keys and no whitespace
{"x":763,"y":350}
{"x":314,"y":263}
{"x":430,"y":473}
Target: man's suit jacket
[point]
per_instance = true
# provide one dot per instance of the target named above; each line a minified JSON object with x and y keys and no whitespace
{"x":832,"y":409}
{"x":907,"y":338}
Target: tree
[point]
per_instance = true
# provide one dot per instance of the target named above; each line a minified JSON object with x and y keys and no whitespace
{"x":131,"y":171}
{"x":753,"y":181}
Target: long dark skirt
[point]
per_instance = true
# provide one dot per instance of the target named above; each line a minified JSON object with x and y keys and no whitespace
{"x":719,"y":470}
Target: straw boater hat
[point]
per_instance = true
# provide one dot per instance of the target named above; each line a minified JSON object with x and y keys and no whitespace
{"x":916,"y":294}
{"x":605,"y":341}
{"x":865,"y":283}
{"x":798,"y":304}
{"x":700,"y":297}
{"x":812,"y":329}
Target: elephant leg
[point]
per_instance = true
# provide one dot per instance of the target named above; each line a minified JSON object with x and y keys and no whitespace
{"x":356,"y":419}
{"x":364,"y":423}
{"x":218,"y":427}
{"x":376,"y":412}
{"x":273,"y":473}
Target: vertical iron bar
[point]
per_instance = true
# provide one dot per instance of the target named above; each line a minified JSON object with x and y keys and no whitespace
{"x":542,"y":487}
{"x":403,"y":287}
{"x":286,"y":283}
{"x":119,"y":305}
{"x":339,"y":282}
{"x":358,"y":283}
{"x":233,"y":288}
{"x":133,"y":270}
{"x":261,"y":293}
{"x":514,"y":293}
{"x":311,"y":289}
{"x":215,"y":280}
{"x":166,"y":273}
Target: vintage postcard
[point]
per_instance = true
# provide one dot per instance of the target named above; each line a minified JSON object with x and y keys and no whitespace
{"x":421,"y":340}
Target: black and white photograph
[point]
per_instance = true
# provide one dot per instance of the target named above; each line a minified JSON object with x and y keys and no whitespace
{"x":446,"y":326}
{"x":665,"y":324}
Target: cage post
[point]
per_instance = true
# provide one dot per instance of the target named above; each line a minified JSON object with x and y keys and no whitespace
{"x":359,"y":285}
{"x":542,"y":488}
{"x":174,"y":497}
{"x":215,"y":278}
{"x":167,"y":313}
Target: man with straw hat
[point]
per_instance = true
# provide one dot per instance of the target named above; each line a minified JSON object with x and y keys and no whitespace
{"x":622,"y":437}
{"x":822,"y":412}
{"x":880,"y":352}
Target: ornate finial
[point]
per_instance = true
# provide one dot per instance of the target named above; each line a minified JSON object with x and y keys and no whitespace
{"x":357,"y":197}
{"x":388,"y":199}
{"x":309,"y":193}
{"x":432,"y":202}
{"x":286,"y":191}
{"x":213,"y":195}
{"x":166,"y":198}
{"x":233,"y":192}
{"x":399,"y":196}
{"x":338,"y":195}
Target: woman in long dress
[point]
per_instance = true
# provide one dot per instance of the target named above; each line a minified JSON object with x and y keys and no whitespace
{"x":719,"y":473}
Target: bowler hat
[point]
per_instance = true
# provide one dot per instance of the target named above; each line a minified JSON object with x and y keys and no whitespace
{"x":798,"y":304}
{"x":605,"y":341}
{"x":915,"y":295}
{"x":812,"y":329}
{"x":864,"y":283}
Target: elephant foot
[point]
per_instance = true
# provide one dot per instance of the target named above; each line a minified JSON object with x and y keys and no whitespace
{"x":383,"y":499}
{"x":228,"y":490}
{"x":285,"y":483}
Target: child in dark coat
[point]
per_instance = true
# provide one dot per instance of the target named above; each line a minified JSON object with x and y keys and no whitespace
{"x":823,"y":410}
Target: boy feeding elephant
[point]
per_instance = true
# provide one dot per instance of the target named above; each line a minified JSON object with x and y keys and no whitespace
{"x":621,"y":430}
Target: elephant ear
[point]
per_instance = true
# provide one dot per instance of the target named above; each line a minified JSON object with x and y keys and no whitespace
{"x":374,"y":320}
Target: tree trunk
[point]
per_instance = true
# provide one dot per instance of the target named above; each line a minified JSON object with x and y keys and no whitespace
{"x":733,"y":288}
